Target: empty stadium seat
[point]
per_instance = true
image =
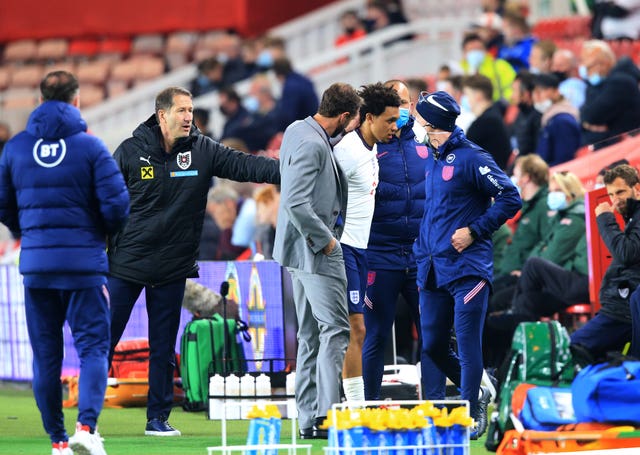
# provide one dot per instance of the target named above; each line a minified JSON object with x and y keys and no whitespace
{"x":83,"y":48}
{"x":61,"y":66}
{"x":5,"y":76}
{"x":94,"y":72}
{"x":91,"y":94}
{"x":148,"y":44}
{"x":21,"y":50}
{"x":563,"y":27}
{"x":27,"y":75}
{"x":115,"y":48}
{"x":52,"y":49}
{"x":19,"y":98}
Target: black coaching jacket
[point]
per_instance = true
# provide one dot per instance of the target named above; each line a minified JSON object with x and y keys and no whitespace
{"x":168,"y":192}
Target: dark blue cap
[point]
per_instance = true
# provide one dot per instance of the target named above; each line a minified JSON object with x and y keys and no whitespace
{"x":438,"y":109}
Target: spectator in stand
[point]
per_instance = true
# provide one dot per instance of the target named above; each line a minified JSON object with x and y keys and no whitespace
{"x":525,"y":129}
{"x":223,"y":204}
{"x":267,"y":198}
{"x":5,"y":134}
{"x":599,"y":183}
{"x":264,"y":117}
{"x":531,"y":177}
{"x":298,"y":99}
{"x":453,"y":86}
{"x":352,"y":28}
{"x":565,"y":66}
{"x":560,"y":131}
{"x":493,"y":6}
{"x":541,"y":57}
{"x":610,"y":328}
{"x":377,"y":17}
{"x":394,"y":10}
{"x":489,"y":27}
{"x":488,"y":129}
{"x":209,"y":77}
{"x":517,"y":41}
{"x":478,"y":61}
{"x":238,"y":118}
{"x":201,"y":121}
{"x":416,"y":85}
{"x":612,"y":103}
{"x":230,"y":55}
{"x":61,"y":190}
{"x":273,"y":48}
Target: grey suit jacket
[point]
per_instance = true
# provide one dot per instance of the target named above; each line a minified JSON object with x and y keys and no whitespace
{"x":313,"y":195}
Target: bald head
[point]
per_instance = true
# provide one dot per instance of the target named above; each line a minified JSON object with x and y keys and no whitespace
{"x":564,"y":61}
{"x":402,"y":90}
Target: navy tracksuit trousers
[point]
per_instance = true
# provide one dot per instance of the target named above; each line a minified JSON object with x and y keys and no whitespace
{"x":383,"y":289}
{"x":87,"y":312}
{"x":164,"y":305}
{"x":463,"y":305}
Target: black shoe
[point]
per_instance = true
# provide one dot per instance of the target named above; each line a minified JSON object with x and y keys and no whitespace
{"x":306,"y":433}
{"x":480,"y":417}
{"x":319,"y":433}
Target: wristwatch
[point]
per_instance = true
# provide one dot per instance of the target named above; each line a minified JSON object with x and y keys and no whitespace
{"x":473,"y":233}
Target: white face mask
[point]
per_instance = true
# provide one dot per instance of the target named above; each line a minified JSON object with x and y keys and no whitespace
{"x":420,"y":133}
{"x":543,"y":106}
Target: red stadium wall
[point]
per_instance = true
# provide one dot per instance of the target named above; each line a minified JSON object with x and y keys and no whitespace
{"x":68,"y":18}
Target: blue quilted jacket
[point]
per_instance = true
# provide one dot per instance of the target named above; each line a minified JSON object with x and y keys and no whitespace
{"x":399,"y":202}
{"x":62,"y":192}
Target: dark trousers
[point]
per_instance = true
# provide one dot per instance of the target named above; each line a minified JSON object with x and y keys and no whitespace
{"x":600,"y":335}
{"x":545,"y":288}
{"x":87,"y":312}
{"x":634,"y":304}
{"x":163,"y":309}
{"x":462,"y":305}
{"x":379,"y":313}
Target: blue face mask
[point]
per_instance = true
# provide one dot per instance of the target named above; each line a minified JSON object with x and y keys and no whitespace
{"x":594,"y":79}
{"x":475,"y":58}
{"x":251,"y":103}
{"x":465,"y":105}
{"x":556,"y":200}
{"x":403,"y":118}
{"x":264,"y":59}
{"x":514,"y":180}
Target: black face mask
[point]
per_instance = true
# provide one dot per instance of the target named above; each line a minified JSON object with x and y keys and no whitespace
{"x":349,"y":30}
{"x":560,"y":75}
{"x":524,"y":107}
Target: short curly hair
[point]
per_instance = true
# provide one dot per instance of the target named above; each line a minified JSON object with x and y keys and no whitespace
{"x":376,"y":98}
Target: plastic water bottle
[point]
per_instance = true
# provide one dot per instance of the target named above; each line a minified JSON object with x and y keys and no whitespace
{"x":291,"y":390}
{"x":233,"y":390}
{"x":248,"y":393}
{"x":216,"y":388}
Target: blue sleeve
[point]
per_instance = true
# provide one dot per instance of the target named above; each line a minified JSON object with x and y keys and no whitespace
{"x":564,"y":139}
{"x":489,"y":179}
{"x":8,"y":201}
{"x":110,"y":189}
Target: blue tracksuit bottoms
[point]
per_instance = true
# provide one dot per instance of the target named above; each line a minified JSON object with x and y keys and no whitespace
{"x":87,"y":312}
{"x":461,"y":304}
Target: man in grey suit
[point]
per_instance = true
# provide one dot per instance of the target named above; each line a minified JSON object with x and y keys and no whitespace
{"x":313,"y":202}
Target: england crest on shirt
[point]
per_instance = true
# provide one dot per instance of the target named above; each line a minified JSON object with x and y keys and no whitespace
{"x":184,"y":160}
{"x":354,"y":296}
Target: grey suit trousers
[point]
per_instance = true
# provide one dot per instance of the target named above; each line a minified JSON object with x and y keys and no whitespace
{"x":323,"y":336}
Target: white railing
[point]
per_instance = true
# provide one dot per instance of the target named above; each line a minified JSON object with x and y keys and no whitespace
{"x":369,"y":59}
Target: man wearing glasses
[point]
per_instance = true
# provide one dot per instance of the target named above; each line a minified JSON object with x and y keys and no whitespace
{"x":454,"y":252}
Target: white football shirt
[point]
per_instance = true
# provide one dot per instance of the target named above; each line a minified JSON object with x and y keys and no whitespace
{"x":359,"y":163}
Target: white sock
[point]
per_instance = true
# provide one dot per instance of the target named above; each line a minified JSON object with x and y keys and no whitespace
{"x":353,"y":388}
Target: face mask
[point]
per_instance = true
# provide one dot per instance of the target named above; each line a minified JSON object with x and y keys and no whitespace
{"x":543,"y":106}
{"x":465,"y":105}
{"x":251,"y":103}
{"x":222,"y":58}
{"x":420,"y":133}
{"x":583,"y":73}
{"x":264,"y":59}
{"x":598,"y":185}
{"x":403,"y":118}
{"x":349,"y":30}
{"x":475,"y":58}
{"x":556,"y":200}
{"x":560,"y":75}
{"x":514,"y":180}
{"x":595,"y":79}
